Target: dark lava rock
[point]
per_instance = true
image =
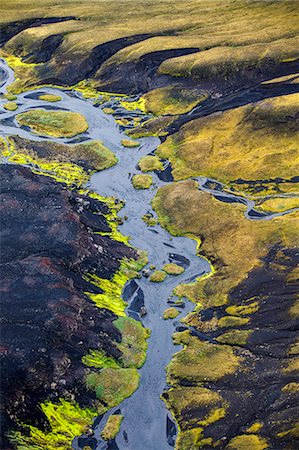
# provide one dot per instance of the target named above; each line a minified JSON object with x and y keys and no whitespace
{"x":47,"y":322}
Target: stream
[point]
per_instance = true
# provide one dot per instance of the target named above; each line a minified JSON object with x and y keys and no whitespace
{"x":147,"y":424}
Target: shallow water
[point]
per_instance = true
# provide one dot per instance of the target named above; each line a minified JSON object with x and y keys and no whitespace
{"x":147,"y":424}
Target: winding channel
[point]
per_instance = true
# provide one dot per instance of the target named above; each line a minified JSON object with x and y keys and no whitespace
{"x":147,"y":424}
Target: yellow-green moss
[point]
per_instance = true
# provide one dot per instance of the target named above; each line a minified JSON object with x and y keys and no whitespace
{"x":253,"y":142}
{"x":142,"y":181}
{"x":10,"y":106}
{"x":149,"y":163}
{"x":99,"y":360}
{"x":66,"y":421}
{"x":278,"y":204}
{"x":10,"y":97}
{"x":170,"y":313}
{"x":158,"y":276}
{"x":254,"y":428}
{"x":247,"y":441}
{"x":235,"y":337}
{"x":133,"y":344}
{"x":173,"y":269}
{"x":134,"y":105}
{"x":172,"y":100}
{"x":291,"y":388}
{"x":129,"y":143}
{"x":232,"y":321}
{"x":292,"y":366}
{"x":112,"y":427}
{"x":50,"y":97}
{"x":53,"y":123}
{"x":242,"y":310}
{"x":200,"y":361}
{"x":152,"y":127}
{"x":149,"y":220}
{"x":108,"y":110}
{"x":112,"y":386}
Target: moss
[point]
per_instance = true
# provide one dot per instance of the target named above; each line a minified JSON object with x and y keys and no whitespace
{"x":242,"y":310}
{"x":292,"y":366}
{"x":133,"y":344}
{"x":246,"y":441}
{"x":134,"y":105}
{"x":170,"y":313}
{"x":53,"y":123}
{"x":112,"y":427}
{"x":173,"y":269}
{"x":112,"y":386}
{"x":279,"y":204}
{"x":158,"y":276}
{"x":142,"y":181}
{"x":200,"y":361}
{"x":149,"y":220}
{"x":254,"y":428}
{"x":152,"y":127}
{"x":129,"y":143}
{"x":66,"y":421}
{"x":149,"y":163}
{"x":10,"y":97}
{"x":10,"y":106}
{"x":184,"y":210}
{"x":98,"y":360}
{"x":108,"y":110}
{"x":235,"y":337}
{"x":291,"y":388}
{"x":253,"y":142}
{"x":232,"y":321}
{"x":50,"y":98}
{"x":172,"y":100}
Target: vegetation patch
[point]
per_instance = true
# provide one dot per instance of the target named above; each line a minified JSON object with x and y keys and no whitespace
{"x":129,"y":143}
{"x":235,"y":337}
{"x":10,"y":106}
{"x":149,"y":220}
{"x":278,"y":204}
{"x":150,"y":163}
{"x":53,"y":123}
{"x":172,"y":100}
{"x":112,"y":427}
{"x":245,"y":441}
{"x":200,"y":361}
{"x":173,"y":269}
{"x":158,"y":276}
{"x":170,"y":313}
{"x":112,"y":386}
{"x":152,"y":127}
{"x":142,"y":181}
{"x":133,"y":344}
{"x":253,"y":142}
{"x":50,"y":98}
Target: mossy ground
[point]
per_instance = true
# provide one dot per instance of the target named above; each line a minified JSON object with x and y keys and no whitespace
{"x":173,"y":269}
{"x":150,"y":163}
{"x":129,"y":143}
{"x":158,"y":276}
{"x":170,"y":313}
{"x":112,"y":427}
{"x":53,"y":123}
{"x":10,"y":106}
{"x":253,"y":142}
{"x":142,"y":181}
{"x":50,"y":98}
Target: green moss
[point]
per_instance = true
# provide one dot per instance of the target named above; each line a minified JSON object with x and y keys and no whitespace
{"x":53,"y":123}
{"x":152,"y":127}
{"x":254,"y":428}
{"x":241,"y":310}
{"x":149,"y":220}
{"x":172,"y":100}
{"x":142,"y":181}
{"x":112,"y":386}
{"x":158,"y":276}
{"x":10,"y":106}
{"x":173,"y":269}
{"x":10,"y":97}
{"x":278,"y":204}
{"x":235,"y":337}
{"x":292,"y":388}
{"x":170,"y":313}
{"x":50,"y":98}
{"x":98,"y":360}
{"x":134,"y":105}
{"x":66,"y":421}
{"x":112,"y":427}
{"x":253,"y":142}
{"x":149,"y":163}
{"x":200,"y":361}
{"x":232,"y":321}
{"x":133,"y":344}
{"x":108,"y":110}
{"x":246,"y":441}
{"x":129,"y":143}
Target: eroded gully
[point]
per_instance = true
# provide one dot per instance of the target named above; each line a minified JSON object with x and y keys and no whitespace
{"x":147,"y":424}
